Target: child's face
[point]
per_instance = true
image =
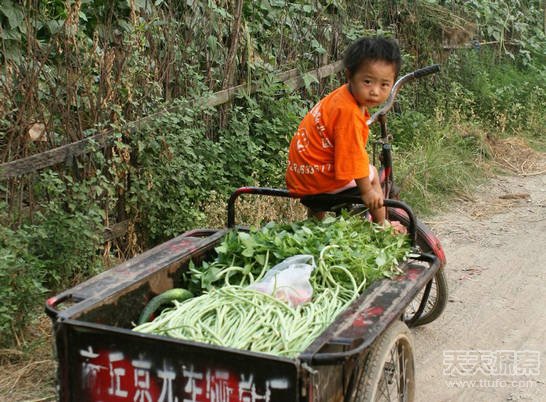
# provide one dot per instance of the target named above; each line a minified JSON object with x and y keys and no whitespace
{"x":372,"y":82}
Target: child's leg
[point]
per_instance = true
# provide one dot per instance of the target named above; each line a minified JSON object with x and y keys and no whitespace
{"x":315,"y":214}
{"x":378,"y":214}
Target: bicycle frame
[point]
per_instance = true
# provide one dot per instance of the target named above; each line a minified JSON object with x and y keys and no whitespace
{"x":386,"y":175}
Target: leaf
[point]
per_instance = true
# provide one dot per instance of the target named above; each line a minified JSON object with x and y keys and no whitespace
{"x":381,"y":259}
{"x":329,"y":220}
{"x":221,"y":249}
{"x":248,"y":252}
{"x":309,"y":79}
{"x":260,"y":258}
{"x":13,"y":13}
{"x":54,"y":26}
{"x":306,"y":230}
{"x":249,"y":242}
{"x":8,"y":34}
{"x":318,"y":47}
{"x":142,"y":4}
{"x":212,"y":43}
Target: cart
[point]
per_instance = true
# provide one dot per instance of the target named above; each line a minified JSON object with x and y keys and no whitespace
{"x":366,"y":354}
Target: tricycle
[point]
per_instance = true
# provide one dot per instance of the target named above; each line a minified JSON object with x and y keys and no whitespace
{"x":365,"y":354}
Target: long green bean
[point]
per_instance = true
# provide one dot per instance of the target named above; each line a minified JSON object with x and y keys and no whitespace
{"x":268,"y":325}
{"x":350,"y":253}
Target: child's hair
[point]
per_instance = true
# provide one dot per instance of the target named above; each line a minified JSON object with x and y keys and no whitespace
{"x":372,"y":49}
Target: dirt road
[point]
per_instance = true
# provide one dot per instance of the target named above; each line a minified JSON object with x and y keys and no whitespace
{"x":490,"y":343}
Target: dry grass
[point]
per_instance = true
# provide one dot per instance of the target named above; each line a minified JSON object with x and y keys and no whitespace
{"x":253,"y":210}
{"x":516,"y":156}
{"x":28,"y":374}
{"x":493,"y":205}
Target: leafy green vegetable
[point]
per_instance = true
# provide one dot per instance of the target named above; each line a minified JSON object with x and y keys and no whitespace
{"x":351,"y":252}
{"x":368,"y":251}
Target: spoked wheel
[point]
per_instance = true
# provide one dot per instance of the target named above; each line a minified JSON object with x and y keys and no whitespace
{"x":435,"y":304}
{"x":389,"y":373}
{"x":437,"y":298}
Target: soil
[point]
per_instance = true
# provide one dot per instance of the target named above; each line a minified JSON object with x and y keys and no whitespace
{"x":495,"y":245}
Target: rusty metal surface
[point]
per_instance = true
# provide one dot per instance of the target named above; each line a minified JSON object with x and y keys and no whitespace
{"x":155,"y":270}
{"x":99,"y":363}
{"x":369,"y":315}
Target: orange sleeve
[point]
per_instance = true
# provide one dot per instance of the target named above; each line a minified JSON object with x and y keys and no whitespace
{"x":351,"y":160}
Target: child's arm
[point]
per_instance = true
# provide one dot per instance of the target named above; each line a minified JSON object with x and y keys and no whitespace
{"x":371,"y":194}
{"x":371,"y":197}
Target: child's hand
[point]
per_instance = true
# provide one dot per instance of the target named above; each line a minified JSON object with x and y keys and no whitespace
{"x":372,"y":199}
{"x":397,"y":226}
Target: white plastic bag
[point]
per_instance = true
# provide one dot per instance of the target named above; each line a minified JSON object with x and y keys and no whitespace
{"x":289,"y":280}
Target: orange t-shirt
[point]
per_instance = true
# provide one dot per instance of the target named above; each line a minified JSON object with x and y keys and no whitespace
{"x":329,"y":148}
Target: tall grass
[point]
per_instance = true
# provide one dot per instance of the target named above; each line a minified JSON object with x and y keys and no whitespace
{"x":444,"y":136}
{"x":436,"y":169}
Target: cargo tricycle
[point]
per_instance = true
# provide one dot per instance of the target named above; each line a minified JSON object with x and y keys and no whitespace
{"x":365,"y":354}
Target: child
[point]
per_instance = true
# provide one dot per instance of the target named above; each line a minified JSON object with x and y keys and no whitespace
{"x":328,"y":152}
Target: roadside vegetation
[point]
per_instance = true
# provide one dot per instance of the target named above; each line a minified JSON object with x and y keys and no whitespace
{"x":72,"y":69}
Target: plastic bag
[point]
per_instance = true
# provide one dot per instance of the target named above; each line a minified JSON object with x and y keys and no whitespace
{"x":289,"y":280}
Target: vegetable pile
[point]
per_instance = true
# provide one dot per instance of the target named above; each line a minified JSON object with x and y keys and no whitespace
{"x":350,"y":253}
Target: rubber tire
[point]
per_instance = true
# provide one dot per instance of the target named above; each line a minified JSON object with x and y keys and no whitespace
{"x":431,"y":314}
{"x":367,"y":388}
{"x":440,"y":280}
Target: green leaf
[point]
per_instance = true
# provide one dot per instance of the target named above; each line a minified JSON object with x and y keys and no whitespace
{"x":54,"y":26}
{"x":381,"y":259}
{"x":309,"y":79}
{"x":317,"y":47}
{"x":260,"y":258}
{"x":10,"y":34}
{"x":13,"y":13}
{"x":248,"y":252}
{"x":221,"y":249}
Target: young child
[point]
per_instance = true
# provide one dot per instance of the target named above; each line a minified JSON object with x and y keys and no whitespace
{"x":328,"y":152}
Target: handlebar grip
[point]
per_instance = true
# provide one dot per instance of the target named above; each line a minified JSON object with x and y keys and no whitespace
{"x":426,"y":71}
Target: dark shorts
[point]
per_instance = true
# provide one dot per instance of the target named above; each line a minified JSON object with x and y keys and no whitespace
{"x":331,"y":203}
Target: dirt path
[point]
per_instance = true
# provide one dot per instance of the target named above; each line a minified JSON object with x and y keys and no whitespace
{"x":496,"y":251}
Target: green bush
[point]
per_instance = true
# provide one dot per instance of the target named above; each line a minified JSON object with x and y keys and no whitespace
{"x":179,"y":164}
{"x":498,"y":89}
{"x":21,"y":282}
{"x":56,"y":248}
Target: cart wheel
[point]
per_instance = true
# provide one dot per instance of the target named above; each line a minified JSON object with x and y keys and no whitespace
{"x":436,"y":302}
{"x":437,"y":299}
{"x":389,"y":373}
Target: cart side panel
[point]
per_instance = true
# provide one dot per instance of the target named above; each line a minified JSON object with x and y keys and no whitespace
{"x":103,"y":364}
{"x":117,"y":296}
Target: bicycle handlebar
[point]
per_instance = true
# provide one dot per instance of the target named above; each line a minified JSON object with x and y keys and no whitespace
{"x":396,"y":87}
{"x":275,"y":192}
{"x":426,"y":71}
